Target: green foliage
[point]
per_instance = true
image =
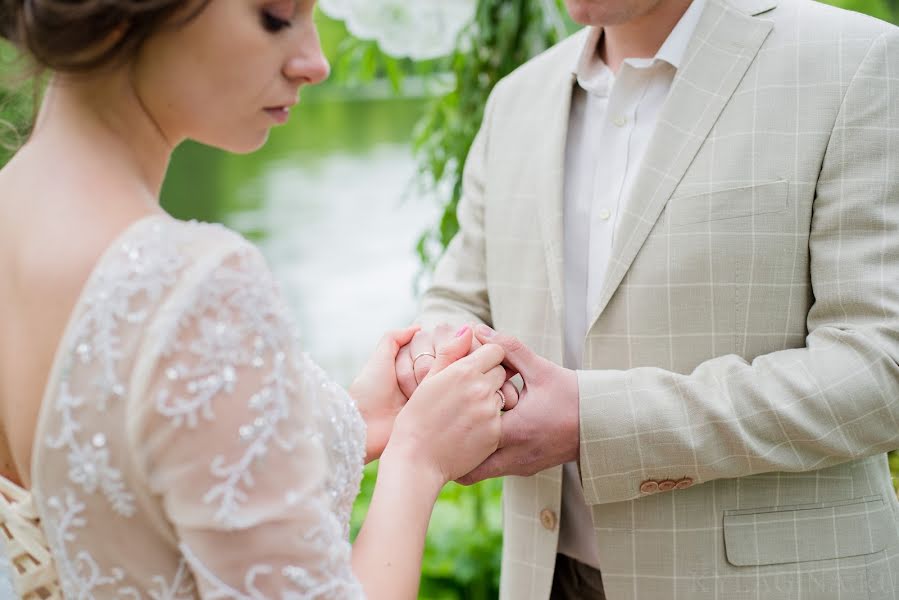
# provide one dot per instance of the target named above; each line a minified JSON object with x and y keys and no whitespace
{"x":18,"y":98}
{"x":504,"y":35}
{"x":887,"y":10}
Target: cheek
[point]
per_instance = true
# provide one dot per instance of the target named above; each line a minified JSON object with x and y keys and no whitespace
{"x":214,"y":98}
{"x":211,"y":79}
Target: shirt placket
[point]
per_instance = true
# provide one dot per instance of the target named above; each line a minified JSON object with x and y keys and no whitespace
{"x":611,"y":172}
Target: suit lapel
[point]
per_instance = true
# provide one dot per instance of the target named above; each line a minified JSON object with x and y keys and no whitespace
{"x":725,"y":43}
{"x":548,"y":167}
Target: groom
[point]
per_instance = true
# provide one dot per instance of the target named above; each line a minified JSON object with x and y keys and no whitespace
{"x":688,"y":214}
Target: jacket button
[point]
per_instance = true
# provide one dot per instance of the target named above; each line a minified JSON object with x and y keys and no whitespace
{"x":649,"y":487}
{"x":684,"y":483}
{"x":548,"y":519}
{"x":667,"y":485}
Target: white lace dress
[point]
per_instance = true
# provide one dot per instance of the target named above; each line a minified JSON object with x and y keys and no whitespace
{"x":186,"y":448}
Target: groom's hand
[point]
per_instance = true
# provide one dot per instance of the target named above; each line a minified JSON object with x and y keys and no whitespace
{"x":416,"y":359}
{"x":543,"y":430}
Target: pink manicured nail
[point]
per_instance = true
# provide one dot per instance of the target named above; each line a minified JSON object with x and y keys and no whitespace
{"x":486,"y":331}
{"x":462,"y":331}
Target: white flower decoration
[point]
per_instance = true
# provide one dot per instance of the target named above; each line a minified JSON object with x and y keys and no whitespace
{"x":421,"y":29}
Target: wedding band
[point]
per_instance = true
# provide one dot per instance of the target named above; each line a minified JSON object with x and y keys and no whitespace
{"x":417,"y":356}
{"x":502,"y":398}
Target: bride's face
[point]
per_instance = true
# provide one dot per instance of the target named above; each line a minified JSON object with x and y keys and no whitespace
{"x":231,"y":73}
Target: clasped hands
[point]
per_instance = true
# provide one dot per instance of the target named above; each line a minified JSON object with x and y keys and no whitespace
{"x":540,"y":425}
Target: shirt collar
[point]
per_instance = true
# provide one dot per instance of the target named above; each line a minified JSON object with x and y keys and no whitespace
{"x":589,"y":65}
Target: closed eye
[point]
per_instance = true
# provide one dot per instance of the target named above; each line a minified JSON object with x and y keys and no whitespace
{"x":273,"y":24}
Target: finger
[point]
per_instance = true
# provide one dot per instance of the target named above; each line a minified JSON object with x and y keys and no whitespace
{"x":490,"y":468}
{"x":452,"y":350}
{"x":485,"y":358}
{"x":405,"y":377}
{"x":443,"y":333}
{"x":422,"y":350}
{"x":518,"y":356}
{"x":510,"y":392}
{"x":475,"y":342}
{"x":496,"y":377}
{"x":394,"y":340}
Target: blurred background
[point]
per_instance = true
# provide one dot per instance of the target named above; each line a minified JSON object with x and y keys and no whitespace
{"x":354,"y":199}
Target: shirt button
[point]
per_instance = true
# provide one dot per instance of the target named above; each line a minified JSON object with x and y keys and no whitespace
{"x":619,"y":121}
{"x":605,"y":214}
{"x":548,"y":519}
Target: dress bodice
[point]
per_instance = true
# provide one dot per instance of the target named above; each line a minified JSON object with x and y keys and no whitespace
{"x":186,"y":447}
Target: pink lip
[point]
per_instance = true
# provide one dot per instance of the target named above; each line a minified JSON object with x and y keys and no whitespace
{"x":279,"y":114}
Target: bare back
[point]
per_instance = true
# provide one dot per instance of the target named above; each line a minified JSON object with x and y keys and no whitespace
{"x":53,"y":230}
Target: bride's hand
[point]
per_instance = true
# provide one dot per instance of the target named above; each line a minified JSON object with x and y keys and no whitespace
{"x":377,"y":393}
{"x":452,"y":422}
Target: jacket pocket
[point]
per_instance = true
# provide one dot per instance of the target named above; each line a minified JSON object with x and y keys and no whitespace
{"x":733,"y":203}
{"x":803,"y":532}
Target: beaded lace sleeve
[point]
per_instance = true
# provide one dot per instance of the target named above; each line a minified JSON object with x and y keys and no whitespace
{"x":236,"y":434}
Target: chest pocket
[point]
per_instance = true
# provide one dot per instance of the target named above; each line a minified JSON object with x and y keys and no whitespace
{"x":732,"y":203}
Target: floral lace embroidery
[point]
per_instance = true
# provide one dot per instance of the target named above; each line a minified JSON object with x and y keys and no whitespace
{"x":82,"y":575}
{"x":120,"y":290}
{"x":313,"y":588}
{"x":127,"y":287}
{"x":130,"y":280}
{"x":347,"y":432}
{"x":234,"y":310}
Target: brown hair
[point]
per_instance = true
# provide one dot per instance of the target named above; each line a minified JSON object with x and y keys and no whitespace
{"x":83,"y":35}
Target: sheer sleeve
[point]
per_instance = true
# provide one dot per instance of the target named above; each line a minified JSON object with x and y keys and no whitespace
{"x":229,"y":438}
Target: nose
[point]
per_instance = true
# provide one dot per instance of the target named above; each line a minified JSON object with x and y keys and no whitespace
{"x":308,"y":64}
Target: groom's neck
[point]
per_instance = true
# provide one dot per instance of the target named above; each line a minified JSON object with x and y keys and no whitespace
{"x":642,"y":36}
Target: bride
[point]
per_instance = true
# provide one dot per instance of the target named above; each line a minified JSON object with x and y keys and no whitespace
{"x":174,"y":440}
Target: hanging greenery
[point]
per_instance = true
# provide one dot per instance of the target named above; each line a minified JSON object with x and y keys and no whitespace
{"x":504,"y":34}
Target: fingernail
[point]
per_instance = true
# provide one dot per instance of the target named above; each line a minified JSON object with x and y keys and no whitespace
{"x":486,"y":331}
{"x":462,"y":331}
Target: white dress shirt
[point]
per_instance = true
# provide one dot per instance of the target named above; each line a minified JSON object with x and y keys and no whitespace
{"x":612,"y":119}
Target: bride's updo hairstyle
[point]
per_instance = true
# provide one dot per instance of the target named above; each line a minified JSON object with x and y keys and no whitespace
{"x":77,"y":36}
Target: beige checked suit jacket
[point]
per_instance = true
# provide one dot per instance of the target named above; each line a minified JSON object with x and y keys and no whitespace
{"x":747,"y":336}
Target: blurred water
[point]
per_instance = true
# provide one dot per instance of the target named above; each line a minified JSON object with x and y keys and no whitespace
{"x":328,"y":200}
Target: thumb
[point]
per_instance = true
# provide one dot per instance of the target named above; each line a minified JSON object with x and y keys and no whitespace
{"x":522,"y":359}
{"x":452,"y":350}
{"x":392,"y":341}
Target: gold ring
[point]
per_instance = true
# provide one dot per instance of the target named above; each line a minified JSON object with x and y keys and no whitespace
{"x":417,"y":356}
{"x":502,"y":397}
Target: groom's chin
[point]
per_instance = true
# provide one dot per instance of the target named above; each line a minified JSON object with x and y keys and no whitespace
{"x":607,"y":12}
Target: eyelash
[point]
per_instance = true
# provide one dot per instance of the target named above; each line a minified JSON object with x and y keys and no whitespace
{"x":273,"y":24}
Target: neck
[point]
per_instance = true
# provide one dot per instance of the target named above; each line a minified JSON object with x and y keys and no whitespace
{"x":642,"y":36}
{"x":100,"y":120}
